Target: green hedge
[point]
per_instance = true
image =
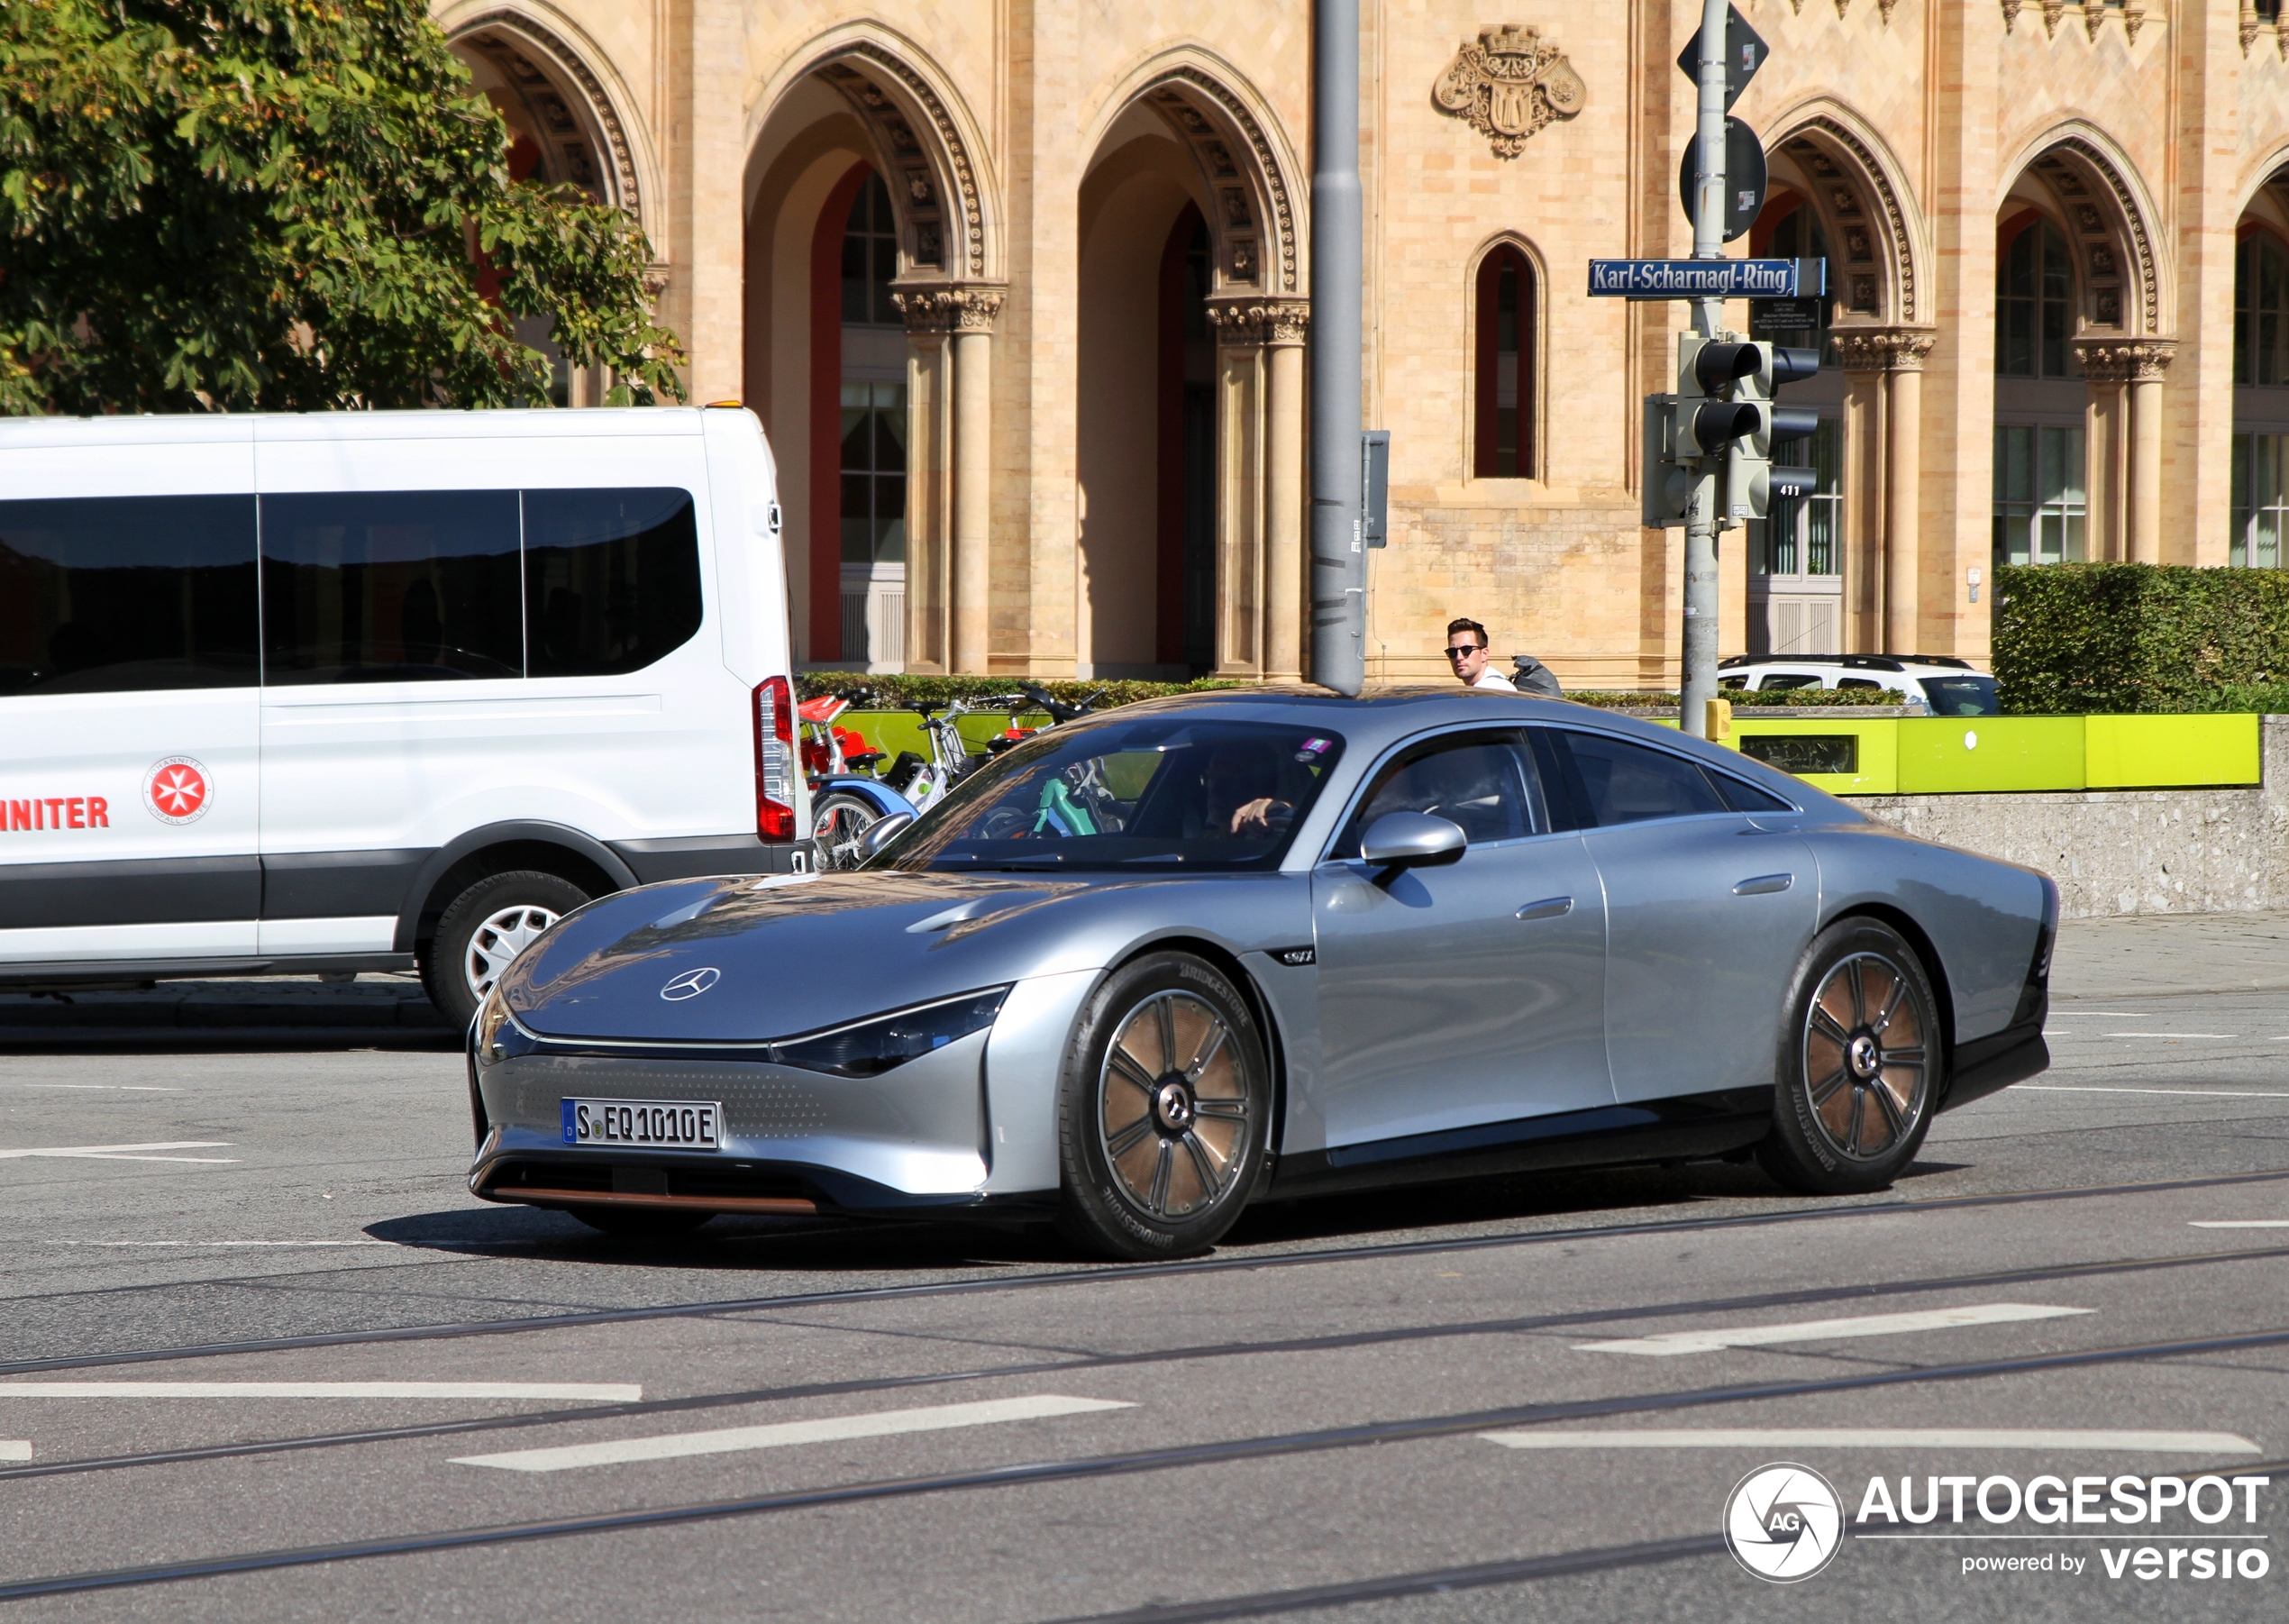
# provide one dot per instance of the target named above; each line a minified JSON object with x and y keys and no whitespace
{"x":2121,"y":639}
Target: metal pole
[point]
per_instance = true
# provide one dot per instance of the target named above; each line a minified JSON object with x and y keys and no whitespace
{"x":1338,"y":567}
{"x":1700,"y":638}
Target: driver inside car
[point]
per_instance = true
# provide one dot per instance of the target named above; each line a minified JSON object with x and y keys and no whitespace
{"x":1243,"y":789}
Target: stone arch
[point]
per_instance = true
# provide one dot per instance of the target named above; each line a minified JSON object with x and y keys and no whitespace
{"x":2124,"y":281}
{"x":1533,"y":389}
{"x":572,"y":104}
{"x":1849,"y":176}
{"x":925,"y":143}
{"x":1248,"y":172}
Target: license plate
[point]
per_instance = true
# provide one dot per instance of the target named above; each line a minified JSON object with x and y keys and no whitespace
{"x":668,"y":1124}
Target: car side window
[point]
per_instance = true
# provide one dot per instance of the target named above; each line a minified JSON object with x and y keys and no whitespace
{"x":1625,"y":782}
{"x":1748,"y":797}
{"x":1775,"y":680}
{"x":1486,"y":782}
{"x":1860,"y":682}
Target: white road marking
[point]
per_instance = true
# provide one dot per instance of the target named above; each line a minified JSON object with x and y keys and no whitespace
{"x":1821,"y":1330}
{"x":2169,"y":1035}
{"x":15,"y":1449}
{"x":827,"y":1429}
{"x":123,"y":1088}
{"x":205,"y":1244}
{"x":128,"y":1153}
{"x":597,"y":1393}
{"x":2073,"y":1088}
{"x":1880,"y":1438}
{"x":2238,"y":1223}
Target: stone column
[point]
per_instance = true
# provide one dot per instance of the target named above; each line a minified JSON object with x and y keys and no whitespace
{"x":2125,"y":378}
{"x":1242,"y":391}
{"x":2148,"y":362}
{"x":1864,"y":512}
{"x":2106,"y":459}
{"x":1897,"y":355}
{"x":1285,"y":539}
{"x":966,"y":313}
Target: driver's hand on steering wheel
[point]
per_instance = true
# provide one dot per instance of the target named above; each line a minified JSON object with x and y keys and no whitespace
{"x":1255,"y":816}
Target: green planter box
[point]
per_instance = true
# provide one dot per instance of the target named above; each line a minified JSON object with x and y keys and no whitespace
{"x":1960,"y":754}
{"x":2166,"y":752}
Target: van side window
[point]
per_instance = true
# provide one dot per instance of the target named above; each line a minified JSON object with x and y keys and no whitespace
{"x":114,"y":594}
{"x":395,"y":586}
{"x":611,"y":579}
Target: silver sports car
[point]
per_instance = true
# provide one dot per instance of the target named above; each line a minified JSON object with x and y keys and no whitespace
{"x":1146,"y":968}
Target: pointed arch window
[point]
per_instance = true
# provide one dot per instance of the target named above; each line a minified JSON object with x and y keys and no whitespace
{"x":2034,"y":304}
{"x":1504,"y":434}
{"x":2261,"y":312}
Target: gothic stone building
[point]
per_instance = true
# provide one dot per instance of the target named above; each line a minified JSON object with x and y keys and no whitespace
{"x":1021,"y":293}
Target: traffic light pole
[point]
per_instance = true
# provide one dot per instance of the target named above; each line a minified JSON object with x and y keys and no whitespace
{"x":1338,"y":586}
{"x":1700,"y":638}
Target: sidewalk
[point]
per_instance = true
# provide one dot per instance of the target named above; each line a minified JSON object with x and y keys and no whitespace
{"x":2135,"y":953}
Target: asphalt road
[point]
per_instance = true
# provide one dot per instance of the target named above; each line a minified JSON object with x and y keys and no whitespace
{"x":931,"y":1424}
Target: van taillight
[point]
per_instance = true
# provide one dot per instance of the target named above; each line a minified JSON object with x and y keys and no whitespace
{"x":774,"y":760}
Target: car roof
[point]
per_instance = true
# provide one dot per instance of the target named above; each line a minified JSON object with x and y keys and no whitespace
{"x":1866,"y":663}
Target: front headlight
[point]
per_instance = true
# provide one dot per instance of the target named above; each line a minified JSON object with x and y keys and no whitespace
{"x":492,"y":1015}
{"x":871,"y":1048}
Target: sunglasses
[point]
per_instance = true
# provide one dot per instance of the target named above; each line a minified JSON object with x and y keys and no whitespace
{"x":1461,"y":652}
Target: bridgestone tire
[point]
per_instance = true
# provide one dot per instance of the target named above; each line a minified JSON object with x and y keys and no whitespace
{"x":640,"y":1223}
{"x":1860,"y":1063}
{"x":528,"y":893}
{"x":1163,"y":1108}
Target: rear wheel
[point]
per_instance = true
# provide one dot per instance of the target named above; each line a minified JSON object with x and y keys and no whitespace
{"x":641,"y":1223}
{"x":1859,"y":1064}
{"x":1164,"y":1109}
{"x":482,"y":931}
{"x":837,"y":820}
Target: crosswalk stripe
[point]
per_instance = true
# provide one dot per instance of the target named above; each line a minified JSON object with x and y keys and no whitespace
{"x":827,"y":1429}
{"x":1668,"y":1343}
{"x":15,"y":1449}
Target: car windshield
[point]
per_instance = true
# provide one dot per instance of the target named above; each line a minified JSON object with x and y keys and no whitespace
{"x":1156,"y":793}
{"x":1962,"y":695}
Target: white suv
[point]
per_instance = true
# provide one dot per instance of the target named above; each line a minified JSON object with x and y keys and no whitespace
{"x":1939,"y":684}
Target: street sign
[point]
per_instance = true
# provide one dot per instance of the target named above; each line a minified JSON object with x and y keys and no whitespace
{"x":1745,"y":177}
{"x":1707,"y":278}
{"x":1745,"y":53}
{"x":1785,"y":315}
{"x":1375,"y":487}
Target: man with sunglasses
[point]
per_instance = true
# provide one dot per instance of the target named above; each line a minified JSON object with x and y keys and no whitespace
{"x":1466,"y":644}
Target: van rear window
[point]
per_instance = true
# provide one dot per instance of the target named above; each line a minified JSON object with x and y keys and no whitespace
{"x":611,"y":579}
{"x":121,"y":594}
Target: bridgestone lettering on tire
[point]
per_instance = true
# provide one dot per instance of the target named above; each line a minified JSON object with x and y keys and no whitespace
{"x":1163,"y":1106}
{"x":1859,"y":1066}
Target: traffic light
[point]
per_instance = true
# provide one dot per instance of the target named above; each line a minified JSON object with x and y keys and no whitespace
{"x":1751,"y":479}
{"x":1664,"y":485}
{"x":1707,"y":371}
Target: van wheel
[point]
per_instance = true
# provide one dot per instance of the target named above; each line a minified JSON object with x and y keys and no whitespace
{"x":482,"y":931}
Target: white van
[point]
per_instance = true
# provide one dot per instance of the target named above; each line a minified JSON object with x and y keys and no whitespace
{"x":366,"y":690}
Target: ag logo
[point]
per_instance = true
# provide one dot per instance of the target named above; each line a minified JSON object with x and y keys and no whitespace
{"x":691,"y":983}
{"x":1784,"y":1522}
{"x":176,"y":790}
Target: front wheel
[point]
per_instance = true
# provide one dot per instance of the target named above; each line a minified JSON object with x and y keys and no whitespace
{"x":1163,"y":1111}
{"x":837,"y":821}
{"x":482,"y":932}
{"x":1859,"y":1063}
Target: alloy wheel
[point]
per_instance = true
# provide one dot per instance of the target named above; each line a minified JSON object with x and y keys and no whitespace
{"x":1173,"y":1106}
{"x":1867,"y":1056}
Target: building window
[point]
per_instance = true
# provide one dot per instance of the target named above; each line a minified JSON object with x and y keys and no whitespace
{"x":870,"y":259}
{"x":1504,"y":434}
{"x":2034,"y":298}
{"x":2038,"y":495}
{"x":1805,"y":535}
{"x":2261,"y":305}
{"x":2259,"y":501}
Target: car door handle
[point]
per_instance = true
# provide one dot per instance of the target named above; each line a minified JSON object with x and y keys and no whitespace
{"x":1549,"y":907}
{"x":1764,"y":884}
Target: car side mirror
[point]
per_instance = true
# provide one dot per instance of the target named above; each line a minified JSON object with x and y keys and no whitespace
{"x":883,"y":833}
{"x":1412,"y":840}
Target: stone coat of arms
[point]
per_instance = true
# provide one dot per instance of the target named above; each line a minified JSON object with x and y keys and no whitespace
{"x":1509,"y":83}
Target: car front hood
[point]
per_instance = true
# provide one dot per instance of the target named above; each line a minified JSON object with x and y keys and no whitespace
{"x":791,"y":954}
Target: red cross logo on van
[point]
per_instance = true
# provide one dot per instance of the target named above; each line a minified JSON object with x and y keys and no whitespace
{"x":175,"y":789}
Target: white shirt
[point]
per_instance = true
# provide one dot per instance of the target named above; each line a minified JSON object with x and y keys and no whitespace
{"x":1490,"y":678}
